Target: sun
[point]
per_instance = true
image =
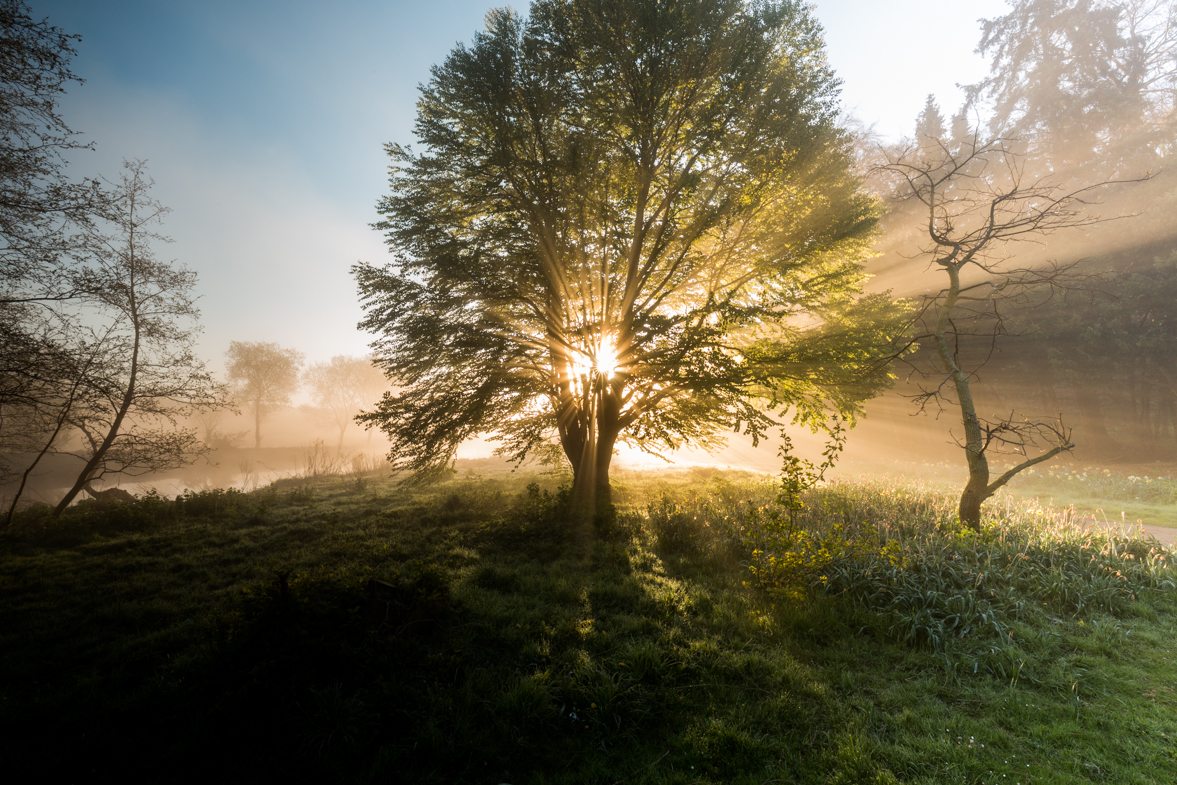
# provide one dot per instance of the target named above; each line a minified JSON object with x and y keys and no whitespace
{"x":603,"y":360}
{"x":606,"y":358}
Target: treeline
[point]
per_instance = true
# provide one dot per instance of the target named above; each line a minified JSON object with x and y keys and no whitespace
{"x":263,"y":376}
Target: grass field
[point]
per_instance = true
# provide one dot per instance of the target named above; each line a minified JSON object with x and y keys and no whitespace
{"x":350,"y":630}
{"x":1122,"y":494}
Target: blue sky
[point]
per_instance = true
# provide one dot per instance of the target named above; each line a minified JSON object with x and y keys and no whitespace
{"x":263,"y":124}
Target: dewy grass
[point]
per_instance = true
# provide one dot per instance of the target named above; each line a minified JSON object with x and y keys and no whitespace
{"x":1096,"y":492}
{"x":934,"y":581}
{"x":347,"y":631}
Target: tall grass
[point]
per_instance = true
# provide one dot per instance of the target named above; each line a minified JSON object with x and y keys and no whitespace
{"x":899,"y":553}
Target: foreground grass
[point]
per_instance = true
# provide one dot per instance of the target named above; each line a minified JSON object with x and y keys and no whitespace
{"x":241,"y":637}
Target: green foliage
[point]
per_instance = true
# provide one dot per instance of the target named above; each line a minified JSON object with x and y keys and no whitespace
{"x":799,"y":474}
{"x":931,"y":582}
{"x":621,"y":217}
{"x":212,"y":503}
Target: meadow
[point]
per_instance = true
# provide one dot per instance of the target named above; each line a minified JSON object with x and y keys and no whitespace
{"x":1123,"y":494}
{"x":344,"y":628}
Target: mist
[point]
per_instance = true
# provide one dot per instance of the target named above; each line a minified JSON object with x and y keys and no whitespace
{"x":1119,"y":402}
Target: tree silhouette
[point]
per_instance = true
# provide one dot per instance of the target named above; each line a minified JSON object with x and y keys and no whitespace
{"x":144,"y":378}
{"x":975,"y":202}
{"x":263,"y":377}
{"x":343,"y":386}
{"x":45,"y":220}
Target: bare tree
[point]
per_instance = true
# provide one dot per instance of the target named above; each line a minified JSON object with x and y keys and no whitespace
{"x":43,"y":221}
{"x":976,"y":199}
{"x":143,"y":377}
{"x":343,"y":386}
{"x":263,"y":375}
{"x":41,"y":210}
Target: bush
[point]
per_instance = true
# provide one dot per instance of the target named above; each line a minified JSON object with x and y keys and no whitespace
{"x":214,"y":503}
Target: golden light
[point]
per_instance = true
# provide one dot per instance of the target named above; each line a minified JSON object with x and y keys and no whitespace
{"x":602,"y":361}
{"x":581,"y":363}
{"x":606,"y":360}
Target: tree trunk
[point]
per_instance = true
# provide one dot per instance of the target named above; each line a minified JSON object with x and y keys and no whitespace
{"x":257,"y":425}
{"x":588,"y":439}
{"x":977,"y":489}
{"x":970,"y":503}
{"x":1142,"y":422}
{"x":591,"y":490}
{"x":1045,"y":381}
{"x":116,"y":424}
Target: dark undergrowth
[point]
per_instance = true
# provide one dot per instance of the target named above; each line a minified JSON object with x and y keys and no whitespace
{"x":354,"y":631}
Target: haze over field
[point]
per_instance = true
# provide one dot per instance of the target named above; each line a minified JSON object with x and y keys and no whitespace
{"x":264,"y":125}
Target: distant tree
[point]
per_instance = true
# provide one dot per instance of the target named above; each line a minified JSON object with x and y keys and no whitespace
{"x":929,"y":125}
{"x":976,"y":201}
{"x":961,"y":132}
{"x":1123,"y":334}
{"x":263,"y":377}
{"x":209,"y":421}
{"x":1084,"y":82}
{"x":632,"y":220}
{"x":343,"y":386}
{"x":143,"y":378}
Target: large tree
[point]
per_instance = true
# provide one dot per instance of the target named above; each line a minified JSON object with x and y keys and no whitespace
{"x":1084,"y":82}
{"x":631,"y":220}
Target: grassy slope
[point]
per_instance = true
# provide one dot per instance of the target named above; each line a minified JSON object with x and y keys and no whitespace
{"x":234,"y":638}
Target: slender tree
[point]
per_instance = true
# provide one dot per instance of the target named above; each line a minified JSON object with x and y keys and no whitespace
{"x":631,"y":220}
{"x":144,"y":377}
{"x":976,"y":201}
{"x":264,"y":376}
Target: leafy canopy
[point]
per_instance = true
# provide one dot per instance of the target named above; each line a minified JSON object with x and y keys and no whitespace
{"x":631,"y":219}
